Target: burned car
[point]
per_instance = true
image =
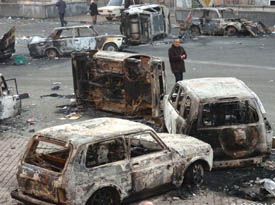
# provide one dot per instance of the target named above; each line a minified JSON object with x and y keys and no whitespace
{"x":106,"y":161}
{"x":10,"y":102}
{"x":7,"y":44}
{"x":223,"y":112}
{"x":65,"y":40}
{"x":145,"y":23}
{"x":125,"y":83}
{"x":222,"y":21}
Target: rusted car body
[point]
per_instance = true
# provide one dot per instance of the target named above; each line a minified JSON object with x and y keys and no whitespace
{"x":223,"y":112}
{"x":223,"y":21}
{"x":145,"y":23}
{"x":7,"y":44}
{"x":10,"y":102}
{"x":125,"y":83}
{"x":105,"y":161}
{"x":65,"y":40}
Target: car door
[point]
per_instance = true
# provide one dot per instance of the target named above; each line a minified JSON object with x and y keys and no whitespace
{"x":150,"y":161}
{"x":211,"y":22}
{"x":170,"y":112}
{"x":84,"y":39}
{"x":64,"y":41}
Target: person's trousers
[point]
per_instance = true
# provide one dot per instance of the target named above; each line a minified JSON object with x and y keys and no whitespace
{"x":62,"y":21}
{"x":94,"y":17}
{"x":178,"y":76}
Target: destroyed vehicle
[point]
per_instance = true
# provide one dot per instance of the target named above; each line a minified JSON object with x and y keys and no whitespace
{"x":104,"y":161}
{"x":7,"y":44}
{"x":124,"y":83}
{"x":10,"y":102}
{"x":65,"y":40}
{"x":114,"y":7}
{"x":145,"y":23}
{"x":222,"y":21}
{"x":223,"y":112}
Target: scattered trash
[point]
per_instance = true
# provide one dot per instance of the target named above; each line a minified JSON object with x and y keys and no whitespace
{"x":19,"y":60}
{"x":269,"y":186}
{"x":73,"y":116}
{"x":56,"y":86}
{"x":24,"y":96}
{"x":57,"y":95}
{"x":31,"y":120}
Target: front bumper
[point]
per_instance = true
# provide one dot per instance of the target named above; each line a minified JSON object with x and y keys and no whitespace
{"x":27,"y":199}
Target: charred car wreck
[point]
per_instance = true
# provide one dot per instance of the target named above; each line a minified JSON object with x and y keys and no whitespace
{"x":145,"y":23}
{"x":105,"y":161}
{"x":125,"y":83}
{"x":65,"y":40}
{"x":223,"y":112}
{"x":222,"y":21}
{"x":10,"y":102}
{"x":7,"y":44}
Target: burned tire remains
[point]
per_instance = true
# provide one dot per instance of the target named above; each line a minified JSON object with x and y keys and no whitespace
{"x":110,"y":47}
{"x":231,"y":31}
{"x":51,"y":53}
{"x":195,"y":174}
{"x":195,"y":31}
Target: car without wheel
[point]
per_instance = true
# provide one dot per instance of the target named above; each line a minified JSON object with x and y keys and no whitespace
{"x":223,"y":112}
{"x":106,"y":161}
{"x":65,"y":40}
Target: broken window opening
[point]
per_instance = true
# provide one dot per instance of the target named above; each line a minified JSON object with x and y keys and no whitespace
{"x":179,"y":101}
{"x":48,"y":155}
{"x":105,"y":152}
{"x":229,"y":113}
{"x":187,"y":107}
{"x":141,"y":144}
{"x":174,"y":94}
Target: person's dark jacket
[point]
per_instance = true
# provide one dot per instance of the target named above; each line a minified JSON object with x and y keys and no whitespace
{"x":93,"y":9}
{"x":176,"y":63}
{"x":61,"y":6}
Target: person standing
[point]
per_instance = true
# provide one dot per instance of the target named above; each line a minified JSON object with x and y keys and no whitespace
{"x":93,"y":11}
{"x":177,"y":55}
{"x":61,"y":6}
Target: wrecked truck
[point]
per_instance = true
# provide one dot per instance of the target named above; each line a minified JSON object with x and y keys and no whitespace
{"x":119,"y":82}
{"x":145,"y":23}
{"x":7,"y":44}
{"x":65,"y":40}
{"x":10,"y":102}
{"x":223,"y":112}
{"x":221,"y":21}
{"x":105,"y":161}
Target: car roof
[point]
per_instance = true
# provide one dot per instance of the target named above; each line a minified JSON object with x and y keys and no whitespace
{"x":213,"y":9}
{"x":210,"y":88}
{"x":72,"y":27}
{"x":92,"y":130}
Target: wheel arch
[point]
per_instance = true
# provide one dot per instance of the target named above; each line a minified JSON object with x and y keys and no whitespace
{"x":110,"y":42}
{"x":205,"y":164}
{"x":113,"y":187}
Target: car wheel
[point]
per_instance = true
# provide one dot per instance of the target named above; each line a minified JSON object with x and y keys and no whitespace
{"x":231,"y":31}
{"x":109,"y":18}
{"x":195,"y":174}
{"x":51,"y":53}
{"x":104,"y":196}
{"x":110,"y":47}
{"x":195,"y":30}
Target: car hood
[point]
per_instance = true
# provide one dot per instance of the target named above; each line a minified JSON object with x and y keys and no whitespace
{"x":185,"y":145}
{"x":36,"y":39}
{"x":109,"y":8}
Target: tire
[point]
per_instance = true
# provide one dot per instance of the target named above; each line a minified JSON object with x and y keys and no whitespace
{"x":195,"y":30}
{"x":109,"y":18}
{"x":195,"y":174}
{"x":51,"y":53}
{"x":106,"y":196}
{"x":231,"y":31}
{"x":110,"y":47}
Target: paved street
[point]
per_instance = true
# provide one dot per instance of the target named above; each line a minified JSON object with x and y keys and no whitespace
{"x":249,"y":59}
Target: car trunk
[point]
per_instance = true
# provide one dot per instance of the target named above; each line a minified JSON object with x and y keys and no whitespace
{"x":40,"y":173}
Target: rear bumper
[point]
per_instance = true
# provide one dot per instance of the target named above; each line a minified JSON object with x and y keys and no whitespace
{"x":27,"y":199}
{"x":238,"y":162}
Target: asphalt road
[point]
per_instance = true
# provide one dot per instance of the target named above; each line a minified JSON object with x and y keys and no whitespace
{"x":249,"y":59}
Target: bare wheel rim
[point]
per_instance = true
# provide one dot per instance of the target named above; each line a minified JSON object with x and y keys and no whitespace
{"x":51,"y":53}
{"x":198,"y":174}
{"x":103,"y":197}
{"x":195,"y":31}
